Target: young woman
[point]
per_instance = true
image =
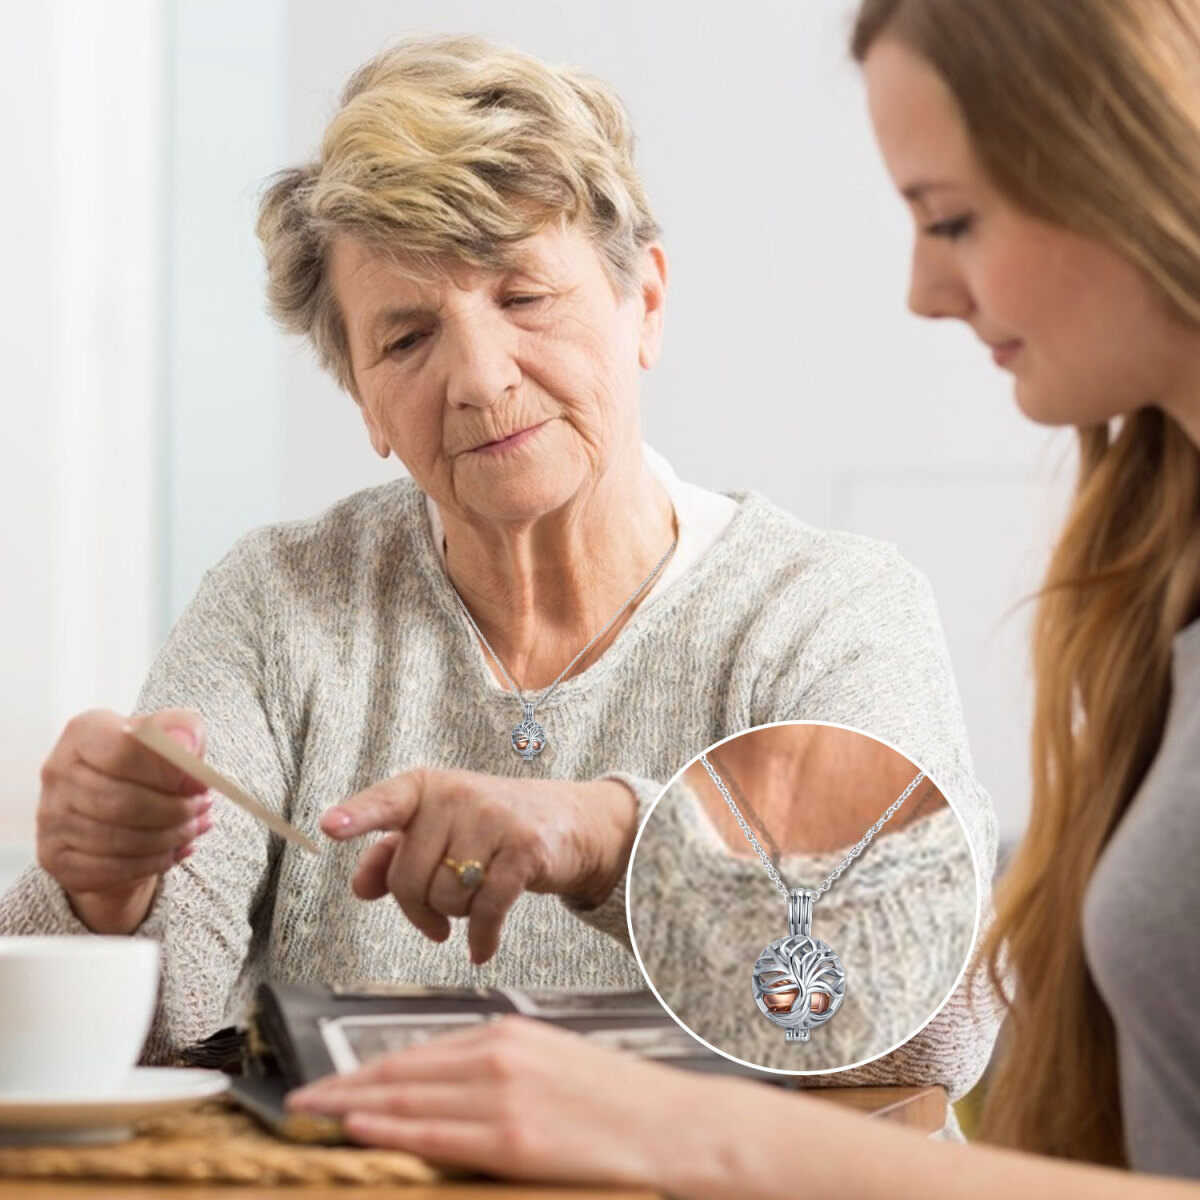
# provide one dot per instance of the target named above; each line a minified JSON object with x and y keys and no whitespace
{"x":1050,"y":153}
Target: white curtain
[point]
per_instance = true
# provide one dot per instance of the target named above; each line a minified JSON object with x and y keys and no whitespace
{"x":81,"y":92}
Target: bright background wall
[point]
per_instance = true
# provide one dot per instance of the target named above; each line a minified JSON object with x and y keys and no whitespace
{"x":154,"y":413}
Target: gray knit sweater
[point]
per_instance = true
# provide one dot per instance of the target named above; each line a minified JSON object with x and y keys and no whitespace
{"x":327,"y":654}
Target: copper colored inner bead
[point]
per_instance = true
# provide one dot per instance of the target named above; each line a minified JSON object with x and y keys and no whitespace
{"x":818,"y":1002}
{"x":781,"y":1001}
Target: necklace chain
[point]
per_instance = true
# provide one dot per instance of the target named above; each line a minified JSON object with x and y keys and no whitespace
{"x":855,"y":851}
{"x":546,"y":694}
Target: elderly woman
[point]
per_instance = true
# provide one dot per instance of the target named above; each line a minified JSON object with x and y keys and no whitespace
{"x":492,"y":664}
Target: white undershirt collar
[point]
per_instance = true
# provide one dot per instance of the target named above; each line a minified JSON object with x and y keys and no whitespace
{"x":701,"y":515}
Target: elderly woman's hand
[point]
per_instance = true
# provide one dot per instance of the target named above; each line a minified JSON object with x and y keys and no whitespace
{"x":522,"y":1098}
{"x":114,"y":817}
{"x":559,"y":836}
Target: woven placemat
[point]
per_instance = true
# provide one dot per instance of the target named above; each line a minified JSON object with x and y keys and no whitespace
{"x":215,"y":1142}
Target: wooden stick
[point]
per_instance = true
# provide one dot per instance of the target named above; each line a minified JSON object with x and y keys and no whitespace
{"x":166,"y":747}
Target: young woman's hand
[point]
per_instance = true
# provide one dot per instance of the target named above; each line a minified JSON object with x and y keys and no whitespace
{"x":520,"y":1098}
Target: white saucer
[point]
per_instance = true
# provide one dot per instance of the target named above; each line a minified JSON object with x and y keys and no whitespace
{"x":146,"y":1092}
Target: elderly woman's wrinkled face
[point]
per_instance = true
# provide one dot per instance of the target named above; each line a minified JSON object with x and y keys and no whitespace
{"x":504,"y":393}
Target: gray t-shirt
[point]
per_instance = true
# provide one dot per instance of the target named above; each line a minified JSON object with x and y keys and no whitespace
{"x":1141,"y":939}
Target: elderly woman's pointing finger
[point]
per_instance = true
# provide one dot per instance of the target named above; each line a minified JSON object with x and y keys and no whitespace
{"x":466,"y":844}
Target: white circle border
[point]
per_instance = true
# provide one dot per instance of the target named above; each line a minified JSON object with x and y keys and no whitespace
{"x":816,"y":1070}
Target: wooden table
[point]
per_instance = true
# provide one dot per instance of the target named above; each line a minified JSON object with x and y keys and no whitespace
{"x":922,"y":1108}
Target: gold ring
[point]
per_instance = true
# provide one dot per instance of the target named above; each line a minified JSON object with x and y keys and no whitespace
{"x":470,"y":873}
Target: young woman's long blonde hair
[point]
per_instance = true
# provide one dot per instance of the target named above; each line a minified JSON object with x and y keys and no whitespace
{"x":1085,"y":114}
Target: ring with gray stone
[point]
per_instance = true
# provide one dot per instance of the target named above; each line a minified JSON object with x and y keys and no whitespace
{"x":470,"y":873}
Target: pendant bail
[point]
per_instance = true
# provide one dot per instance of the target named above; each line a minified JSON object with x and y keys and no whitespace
{"x":800,"y":906}
{"x":529,"y":710}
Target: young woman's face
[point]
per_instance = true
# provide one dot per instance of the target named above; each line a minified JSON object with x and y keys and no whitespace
{"x":1082,"y":330}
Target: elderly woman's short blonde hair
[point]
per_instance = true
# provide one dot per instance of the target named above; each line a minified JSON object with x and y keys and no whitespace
{"x":451,"y":149}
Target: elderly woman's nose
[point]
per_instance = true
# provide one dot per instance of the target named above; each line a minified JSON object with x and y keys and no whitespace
{"x":936,"y":288}
{"x":481,"y":362}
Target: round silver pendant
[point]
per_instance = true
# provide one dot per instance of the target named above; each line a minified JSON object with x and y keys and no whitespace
{"x":799,"y":982}
{"x":528,"y":737}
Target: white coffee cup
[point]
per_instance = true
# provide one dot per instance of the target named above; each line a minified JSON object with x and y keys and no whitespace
{"x":74,"y":1013}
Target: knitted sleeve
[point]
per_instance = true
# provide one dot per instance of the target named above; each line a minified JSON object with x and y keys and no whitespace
{"x":610,"y":916}
{"x":214,"y":662}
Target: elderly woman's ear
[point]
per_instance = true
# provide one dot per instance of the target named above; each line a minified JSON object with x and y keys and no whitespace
{"x":378,"y":439}
{"x":653,"y":293}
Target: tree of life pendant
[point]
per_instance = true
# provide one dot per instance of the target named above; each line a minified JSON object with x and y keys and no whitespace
{"x":528,"y":737}
{"x":799,"y":982}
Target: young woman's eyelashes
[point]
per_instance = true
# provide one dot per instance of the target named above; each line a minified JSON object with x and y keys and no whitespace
{"x":951,"y":228}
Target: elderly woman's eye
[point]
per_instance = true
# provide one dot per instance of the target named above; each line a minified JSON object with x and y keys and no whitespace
{"x":407,"y":342}
{"x":523,"y":301}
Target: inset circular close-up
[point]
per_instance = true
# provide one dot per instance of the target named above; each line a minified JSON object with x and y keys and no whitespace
{"x":802,"y":897}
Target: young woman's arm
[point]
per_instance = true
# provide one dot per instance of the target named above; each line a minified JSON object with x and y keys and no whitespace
{"x":762,"y":1141}
{"x":524,"y":1100}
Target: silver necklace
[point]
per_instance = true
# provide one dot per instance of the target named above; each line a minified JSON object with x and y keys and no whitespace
{"x":798,"y":981}
{"x":528,"y":737}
